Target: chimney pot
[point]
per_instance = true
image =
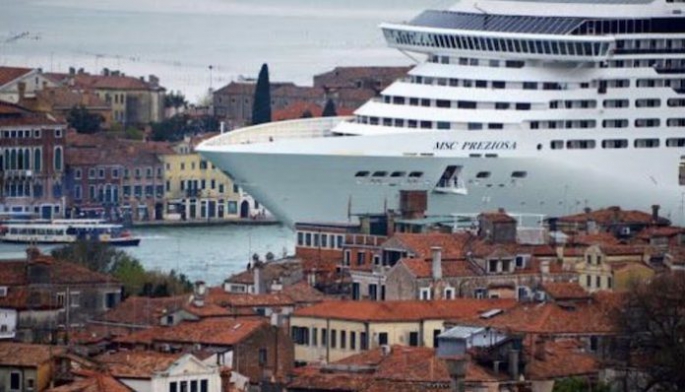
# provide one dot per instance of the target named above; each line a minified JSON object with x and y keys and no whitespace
{"x":655,"y":212}
{"x":436,"y":253}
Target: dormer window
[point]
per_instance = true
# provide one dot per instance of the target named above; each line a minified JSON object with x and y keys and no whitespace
{"x":3,"y":291}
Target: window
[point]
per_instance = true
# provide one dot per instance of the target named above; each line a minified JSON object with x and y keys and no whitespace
{"x":15,"y":381}
{"x":449,"y":292}
{"x":315,"y":337}
{"x":193,"y":386}
{"x":413,"y":339}
{"x":75,"y":300}
{"x":556,"y":144}
{"x":262,"y":357}
{"x":204,"y":385}
{"x":483,"y":174}
{"x":184,"y":386}
{"x":324,"y":337}
{"x":646,"y":143}
{"x":615,"y":143}
{"x":647,"y":122}
{"x":425,"y":294}
{"x":343,"y":339}
{"x":519,"y":174}
{"x":580,"y":144}
{"x":362,"y":174}
{"x":58,"y":159}
{"x":363,"y":341}
{"x":361,"y":257}
{"x":173,"y":386}
{"x":675,"y":142}
{"x":383,"y":338}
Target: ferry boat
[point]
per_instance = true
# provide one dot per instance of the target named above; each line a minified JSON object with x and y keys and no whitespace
{"x":65,"y":231}
{"x":549,"y":106}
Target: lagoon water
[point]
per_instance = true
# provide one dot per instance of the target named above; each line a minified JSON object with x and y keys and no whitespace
{"x":179,"y":40}
{"x":210,"y":253}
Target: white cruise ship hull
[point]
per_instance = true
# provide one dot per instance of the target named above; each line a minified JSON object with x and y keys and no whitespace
{"x":318,"y":182}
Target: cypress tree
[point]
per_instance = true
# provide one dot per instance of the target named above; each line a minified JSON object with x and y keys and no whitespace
{"x":329,"y":109}
{"x":261,"y":107}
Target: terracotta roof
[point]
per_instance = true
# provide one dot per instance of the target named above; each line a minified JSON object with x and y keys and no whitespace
{"x":218,"y":296}
{"x":420,"y":244}
{"x":14,"y":115}
{"x":563,"y":358}
{"x":26,"y":355}
{"x":144,"y":311}
{"x":462,"y":308}
{"x":270,"y":271}
{"x":591,"y":318}
{"x":206,"y":310}
{"x":303,"y":293}
{"x":93,"y":382}
{"x":137,"y":364}
{"x":65,"y":98}
{"x":660,"y":231}
{"x":94,"y":334}
{"x":60,"y":272}
{"x":211,"y":331}
{"x":592,"y":239}
{"x":8,"y":74}
{"x":24,"y":298}
{"x":402,"y":369}
{"x":111,"y":82}
{"x":613,"y":215}
{"x":103,"y":149}
{"x":565,"y":291}
{"x":424,"y":268}
{"x":497,"y":217}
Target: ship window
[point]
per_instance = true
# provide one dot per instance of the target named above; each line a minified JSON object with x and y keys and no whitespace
{"x":380,"y":174}
{"x":647,"y":122}
{"x":648,"y":103}
{"x":426,"y":124}
{"x":416,"y":174}
{"x":580,"y":144}
{"x":616,"y":103}
{"x":675,"y":142}
{"x":466,"y":104}
{"x":483,"y":174}
{"x":615,"y":143}
{"x":362,"y":174}
{"x":522,"y":106}
{"x":412,"y":123}
{"x":615,"y":123}
{"x":398,"y":174}
{"x":443,"y":103}
{"x":519,"y":174}
{"x":646,"y":143}
{"x":676,"y":102}
{"x":475,"y":126}
{"x":495,"y":126}
{"x":444,"y":125}
{"x":414,"y":101}
{"x":556,"y":144}
{"x":498,"y":84}
{"x":502,"y":105}
{"x":676,"y":122}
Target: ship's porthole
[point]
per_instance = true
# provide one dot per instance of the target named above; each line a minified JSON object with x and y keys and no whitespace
{"x":539,"y":147}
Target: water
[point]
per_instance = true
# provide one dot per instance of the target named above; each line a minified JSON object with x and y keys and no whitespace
{"x":179,"y":40}
{"x":202,"y":253}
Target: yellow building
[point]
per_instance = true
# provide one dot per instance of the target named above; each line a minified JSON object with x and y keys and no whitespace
{"x":611,"y":267}
{"x":197,"y":190}
{"x":331,"y":331}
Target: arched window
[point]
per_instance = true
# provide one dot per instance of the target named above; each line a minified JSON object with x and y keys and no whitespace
{"x":7,"y":159}
{"x":58,"y":158}
{"x":13,"y":159}
{"x":37,"y":160}
{"x":20,"y":159}
{"x":27,"y":158}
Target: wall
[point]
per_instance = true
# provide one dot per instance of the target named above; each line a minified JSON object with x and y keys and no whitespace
{"x":279,"y":354}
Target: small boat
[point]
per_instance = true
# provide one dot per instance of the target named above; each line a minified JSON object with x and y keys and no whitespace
{"x":65,"y":231}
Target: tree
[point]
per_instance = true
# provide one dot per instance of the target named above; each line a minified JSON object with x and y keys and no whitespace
{"x":100,"y":257}
{"x":329,"y":109}
{"x":261,"y":106}
{"x":576,"y":384}
{"x":175,"y":100}
{"x":651,"y":342}
{"x":83,"y":121}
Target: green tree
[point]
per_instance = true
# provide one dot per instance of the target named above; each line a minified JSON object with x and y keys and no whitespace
{"x":261,"y":106}
{"x":103,"y":258}
{"x":651,"y":341}
{"x":329,"y":109}
{"x":170,"y":130}
{"x":175,"y":100}
{"x":83,"y":121}
{"x":577,"y":384}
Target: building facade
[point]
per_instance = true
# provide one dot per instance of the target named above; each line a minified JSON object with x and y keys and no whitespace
{"x":32,"y":161}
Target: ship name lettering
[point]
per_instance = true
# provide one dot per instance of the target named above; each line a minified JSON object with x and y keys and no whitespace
{"x":479,"y":145}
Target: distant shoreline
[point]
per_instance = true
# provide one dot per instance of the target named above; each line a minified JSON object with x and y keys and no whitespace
{"x":211,"y":222}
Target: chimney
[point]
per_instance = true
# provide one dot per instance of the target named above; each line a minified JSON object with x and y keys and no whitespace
{"x":436,"y":253}
{"x":154,"y":80}
{"x":199,"y":294}
{"x":655,"y":213}
{"x":514,"y":364}
{"x":72,"y":71}
{"x":587,"y":210}
{"x":553,"y":224}
{"x":81,"y":71}
{"x":257,"y":274}
{"x":544,"y":267}
{"x":21,"y":90}
{"x":32,"y":253}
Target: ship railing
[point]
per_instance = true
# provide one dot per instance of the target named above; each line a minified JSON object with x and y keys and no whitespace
{"x":279,"y":130}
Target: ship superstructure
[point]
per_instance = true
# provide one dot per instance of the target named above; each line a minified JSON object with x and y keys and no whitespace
{"x":531,"y":106}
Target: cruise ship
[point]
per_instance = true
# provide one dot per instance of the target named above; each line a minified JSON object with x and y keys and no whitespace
{"x":534,"y":106}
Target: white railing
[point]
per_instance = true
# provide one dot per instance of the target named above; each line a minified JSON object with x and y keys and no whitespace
{"x":280,"y":130}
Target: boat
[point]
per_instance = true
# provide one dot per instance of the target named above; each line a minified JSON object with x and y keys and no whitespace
{"x":66,"y":231}
{"x":534,"y":106}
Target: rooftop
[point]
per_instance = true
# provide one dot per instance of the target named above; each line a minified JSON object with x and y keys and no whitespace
{"x":27,"y":355}
{"x":397,"y":311}
{"x":8,"y":74}
{"x":137,"y":364}
{"x":144,"y":311}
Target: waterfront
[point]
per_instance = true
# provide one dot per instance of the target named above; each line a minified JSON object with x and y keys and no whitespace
{"x":179,"y":41}
{"x":210,"y":253}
